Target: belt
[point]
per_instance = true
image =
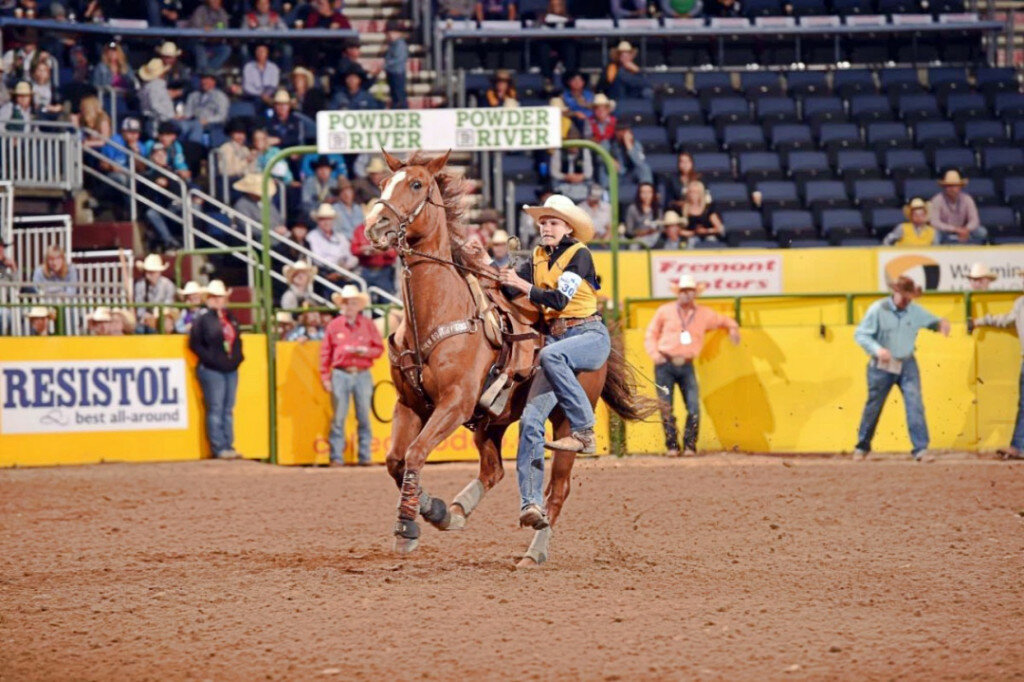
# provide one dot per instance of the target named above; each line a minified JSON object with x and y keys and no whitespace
{"x":561,"y":325}
{"x":350,"y":370}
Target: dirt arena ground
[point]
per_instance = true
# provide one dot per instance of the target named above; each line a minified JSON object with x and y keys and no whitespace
{"x":724,"y":567}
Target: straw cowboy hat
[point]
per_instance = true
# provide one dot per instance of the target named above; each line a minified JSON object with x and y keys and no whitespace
{"x":502,"y":75}
{"x":981,"y":271}
{"x":153,"y":69}
{"x":601,"y":100}
{"x":168,"y":49}
{"x":191,"y":288}
{"x":305,"y":73}
{"x":324,"y":211}
{"x":376,"y":165}
{"x":499,"y":237}
{"x":563,"y":208}
{"x":952,"y":179}
{"x":905,"y":286}
{"x":295,"y":268}
{"x":672,"y":218}
{"x":153,"y":263}
{"x":38,"y":311}
{"x":284,"y":317}
{"x":559,"y":104}
{"x":216,"y":288}
{"x":623,"y":46}
{"x":915,"y":204}
{"x":282,"y":97}
{"x":684,"y":282}
{"x":126,"y":315}
{"x":101,"y":314}
{"x":252,"y":183}
{"x":173,"y":313}
{"x":22,"y":88}
{"x":348,"y":292}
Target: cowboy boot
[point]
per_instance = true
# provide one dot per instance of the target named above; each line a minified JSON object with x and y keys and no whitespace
{"x":583,"y":442}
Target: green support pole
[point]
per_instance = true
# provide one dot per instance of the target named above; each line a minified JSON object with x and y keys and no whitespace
{"x":268,"y":295}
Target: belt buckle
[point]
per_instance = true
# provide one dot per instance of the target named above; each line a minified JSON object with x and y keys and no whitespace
{"x":558,"y":327}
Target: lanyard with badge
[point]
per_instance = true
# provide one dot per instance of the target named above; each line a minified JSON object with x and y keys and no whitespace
{"x":685,"y":338}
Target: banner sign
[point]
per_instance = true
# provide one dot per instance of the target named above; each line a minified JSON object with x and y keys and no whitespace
{"x":496,"y":129}
{"x":946,"y":269}
{"x":722,"y":275}
{"x":59,"y":396}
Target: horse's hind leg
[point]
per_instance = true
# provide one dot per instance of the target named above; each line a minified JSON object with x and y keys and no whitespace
{"x":488,"y":443}
{"x":554,"y":497}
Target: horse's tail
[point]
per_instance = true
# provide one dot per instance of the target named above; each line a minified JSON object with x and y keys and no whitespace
{"x":621,"y":389}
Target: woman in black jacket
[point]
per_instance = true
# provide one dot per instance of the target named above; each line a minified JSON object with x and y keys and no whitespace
{"x":215,"y":339}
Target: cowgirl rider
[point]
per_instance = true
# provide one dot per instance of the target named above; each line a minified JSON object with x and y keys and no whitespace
{"x":562,"y":280}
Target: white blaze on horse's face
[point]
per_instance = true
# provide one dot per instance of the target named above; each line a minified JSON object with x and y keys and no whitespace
{"x":389,"y":189}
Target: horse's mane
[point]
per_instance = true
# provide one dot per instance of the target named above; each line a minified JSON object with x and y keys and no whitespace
{"x":453,"y":191}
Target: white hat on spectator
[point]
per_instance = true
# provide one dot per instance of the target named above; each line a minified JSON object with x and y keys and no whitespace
{"x":348,"y":292}
{"x":282,"y":97}
{"x":672,"y":218}
{"x":623,"y":46}
{"x":376,"y":165}
{"x":191,"y":288}
{"x":216,"y":288}
{"x":499,"y":237}
{"x":252,"y":183}
{"x":295,"y":268}
{"x":101,"y":314}
{"x":168,"y":49}
{"x":601,"y":100}
{"x":153,"y":263}
{"x":324,"y":211}
{"x":128,"y":317}
{"x":39,"y":311}
{"x":558,"y":103}
{"x":22,"y":88}
{"x":284,"y":317}
{"x":981,"y":271}
{"x":682,"y":282}
{"x":153,"y":69}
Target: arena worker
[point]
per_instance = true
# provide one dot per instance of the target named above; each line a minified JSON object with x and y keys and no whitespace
{"x":1015,"y":317}
{"x":561,"y":279}
{"x":154,"y":287}
{"x":888,"y":333}
{"x":673,"y":341}
{"x":217,"y":342}
{"x":351,"y":344}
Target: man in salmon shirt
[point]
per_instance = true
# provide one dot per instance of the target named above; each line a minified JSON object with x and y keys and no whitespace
{"x":351,"y":344}
{"x":673,"y":341}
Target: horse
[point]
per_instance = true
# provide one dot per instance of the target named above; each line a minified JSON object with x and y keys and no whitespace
{"x":440,"y":362}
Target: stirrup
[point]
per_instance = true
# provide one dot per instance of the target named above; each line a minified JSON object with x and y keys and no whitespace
{"x":533,"y":517}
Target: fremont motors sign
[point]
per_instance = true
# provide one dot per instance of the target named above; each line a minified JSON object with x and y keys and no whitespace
{"x":721,"y":275}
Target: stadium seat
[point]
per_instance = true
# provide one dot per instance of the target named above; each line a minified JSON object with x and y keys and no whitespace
{"x":713,"y":165}
{"x":819,"y":194}
{"x":923,"y":188}
{"x":708,"y":84}
{"x":984,"y":133}
{"x":854,"y":163}
{"x":896,"y":82}
{"x":679,"y":111}
{"x":788,"y":137}
{"x":809,"y":8}
{"x":955,"y":158}
{"x":775,"y":110}
{"x":529,"y":84}
{"x":803,"y":165}
{"x":637,"y":112}
{"x":931,"y":134}
{"x":525,"y":193}
{"x":963,"y":106}
{"x":867,"y":108}
{"x":850,"y":82}
{"x":791,"y":225}
{"x":834,"y":136}
{"x":984,"y":191}
{"x":1000,"y":221}
{"x":848,"y":7}
{"x":840,"y":224}
{"x":1004,"y":160}
{"x":743,"y":137}
{"x":694,"y":139}
{"x":882,"y":220}
{"x":903,"y":163}
{"x":653,"y":138}
{"x":729,"y":196}
{"x":873,"y":193}
{"x":663,"y":163}
{"x":1017,"y":134}
{"x":668,"y":83}
{"x":754,"y":166}
{"x":1009,"y":105}
{"x":778,"y":195}
{"x":762,"y":8}
{"x":743,"y":226}
{"x":991,"y":80}
{"x":1012,"y":189}
{"x":914,"y":108}
{"x":757,"y":84}
{"x":725,"y":110}
{"x":886,"y":135}
{"x":946,"y":80}
{"x":239,"y":108}
{"x":518,"y":167}
{"x":822,"y":109}
{"x":898,"y":6}
{"x":804,"y":83}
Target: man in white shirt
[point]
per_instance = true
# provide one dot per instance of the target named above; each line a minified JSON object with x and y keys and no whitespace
{"x":599,"y":210}
{"x":261,"y":77}
{"x":329,"y":245}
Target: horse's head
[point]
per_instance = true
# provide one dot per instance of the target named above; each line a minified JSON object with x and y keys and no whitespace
{"x":405,"y":201}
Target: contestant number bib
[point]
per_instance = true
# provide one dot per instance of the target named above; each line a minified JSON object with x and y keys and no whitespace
{"x":684,"y":338}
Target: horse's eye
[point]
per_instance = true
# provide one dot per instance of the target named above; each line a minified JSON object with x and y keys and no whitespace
{"x":417,"y":185}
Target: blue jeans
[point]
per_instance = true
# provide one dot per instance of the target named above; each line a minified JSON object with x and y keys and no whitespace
{"x":219,"y":390}
{"x":668,"y":376}
{"x":582,"y":348}
{"x":382,"y":278}
{"x":1018,"y":431}
{"x":360,"y":387}
{"x":210,"y":57}
{"x":159,"y":224}
{"x":880,"y":383}
{"x":396,"y":84}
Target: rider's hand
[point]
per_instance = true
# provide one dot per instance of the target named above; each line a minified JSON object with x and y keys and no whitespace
{"x":883,"y":355}
{"x":509,"y":277}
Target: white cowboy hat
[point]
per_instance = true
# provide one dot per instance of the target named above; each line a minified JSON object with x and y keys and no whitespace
{"x":22,"y":88}
{"x":191,"y":288}
{"x":282,"y":97}
{"x":623,"y":46}
{"x":683,"y":282}
{"x":952,"y":178}
{"x":153,"y":69}
{"x":305,"y":73}
{"x":127,"y":315}
{"x":252,"y":183}
{"x":298,"y":266}
{"x":324,"y":211}
{"x":672,"y":218}
{"x":284,"y":317}
{"x":39,"y":311}
{"x":347,"y":292}
{"x":168,"y":49}
{"x":376,"y":165}
{"x":499,"y":237}
{"x":153,"y":263}
{"x":101,"y":314}
{"x":563,"y":208}
{"x":915,"y":204}
{"x":216,"y":288}
{"x":558,"y":103}
{"x":601,"y":100}
{"x":981,"y":271}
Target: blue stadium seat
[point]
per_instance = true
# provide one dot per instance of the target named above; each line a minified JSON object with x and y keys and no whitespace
{"x":954,"y":158}
{"x":1005,"y":160}
{"x":809,"y":8}
{"x":838,"y":224}
{"x":850,"y":82}
{"x":653,"y":138}
{"x":903,"y":163}
{"x":914,"y":108}
{"x":839,"y":136}
{"x":947,"y":6}
{"x":743,"y":226}
{"x":729,"y":196}
{"x":725,"y":110}
{"x":666,"y":82}
{"x":867,"y":108}
{"x":712,"y":83}
{"x":822,"y":109}
{"x":983,"y":190}
{"x":946,"y":80}
{"x":696,"y":139}
{"x":777,"y":194}
{"x":923,"y":188}
{"x":636,"y":112}
{"x":899,"y":81}
{"x":808,"y":164}
{"x":1013,"y":191}
{"x":759,"y":166}
{"x":803,"y":83}
{"x":984,"y":133}
{"x":757,"y":84}
{"x":887,"y":135}
{"x":663,"y":163}
{"x":872,"y":193}
{"x":713,"y":165}
{"x":854,"y":163}
{"x":677,"y":111}
{"x":898,"y":6}
{"x":518,"y":167}
{"x":525,"y":193}
{"x":825,"y":194}
{"x":743,"y":137}
{"x":776,"y":110}
{"x":762,"y":8}
{"x":991,"y":80}
{"x":848,"y":7}
{"x":1018,"y":132}
{"x":529,"y":84}
{"x":882,"y":220}
{"x":787,"y":137}
{"x":1009,"y":105}
{"x":1000,"y":221}
{"x":239,"y":108}
{"x":935,"y":134}
{"x":791,"y":225}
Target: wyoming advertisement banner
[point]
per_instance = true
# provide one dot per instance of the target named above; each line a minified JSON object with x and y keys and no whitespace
{"x":947,"y":268}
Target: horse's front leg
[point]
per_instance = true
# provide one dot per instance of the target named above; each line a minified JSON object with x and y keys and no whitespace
{"x":451,"y":411}
{"x":488,"y":443}
{"x":404,"y":426}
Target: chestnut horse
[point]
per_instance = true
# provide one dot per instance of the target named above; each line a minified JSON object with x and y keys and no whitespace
{"x":440,"y":359}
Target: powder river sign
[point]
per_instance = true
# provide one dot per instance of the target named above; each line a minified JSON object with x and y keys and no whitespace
{"x":357,"y":132}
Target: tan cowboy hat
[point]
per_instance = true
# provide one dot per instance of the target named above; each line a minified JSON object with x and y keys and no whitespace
{"x":502,"y":75}
{"x":952,"y":178}
{"x":284,"y":317}
{"x":22,"y":88}
{"x":981,"y":271}
{"x":153,"y":263}
{"x":672,"y":218}
{"x":252,"y":183}
{"x":101,"y":314}
{"x":282,"y":97}
{"x":558,"y":103}
{"x":376,"y":165}
{"x":905,"y":286}
{"x":499,"y":237}
{"x":915,"y":203}
{"x":168,"y":49}
{"x":295,"y":268}
{"x":153,"y":69}
{"x":563,"y":208}
{"x":350,"y":291}
{"x":216,"y":288}
{"x":126,"y":315}
{"x":623,"y":46}
{"x":684,"y":282}
{"x":510,"y":103}
{"x":324,"y":211}
{"x":38,"y":311}
{"x":305,"y":73}
{"x":601,"y":100}
{"x":191,"y":288}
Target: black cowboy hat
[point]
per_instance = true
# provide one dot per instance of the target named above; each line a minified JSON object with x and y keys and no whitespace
{"x":168,"y":128}
{"x":322,"y":161}
{"x":236,"y":125}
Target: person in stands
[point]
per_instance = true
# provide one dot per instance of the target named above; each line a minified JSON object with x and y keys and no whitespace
{"x":954,"y":213}
{"x":55,"y":276}
{"x":192,"y":294}
{"x":916,"y":231}
{"x":39,"y":319}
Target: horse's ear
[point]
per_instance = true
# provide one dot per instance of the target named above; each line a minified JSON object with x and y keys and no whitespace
{"x":393,"y":163}
{"x":436,"y":164}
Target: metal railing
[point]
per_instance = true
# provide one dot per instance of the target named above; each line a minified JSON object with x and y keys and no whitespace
{"x":41,"y":155}
{"x":17,"y":295}
{"x":6,"y":210}
{"x":220,"y":183}
{"x":35,"y":235}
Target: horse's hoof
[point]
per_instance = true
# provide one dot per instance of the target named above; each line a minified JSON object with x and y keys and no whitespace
{"x":455,"y":521}
{"x":405,"y":546}
{"x":526,"y":563}
{"x":438,"y":515}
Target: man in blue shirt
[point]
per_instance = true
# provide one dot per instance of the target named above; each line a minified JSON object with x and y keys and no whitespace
{"x":167,"y":135}
{"x":888,"y":333}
